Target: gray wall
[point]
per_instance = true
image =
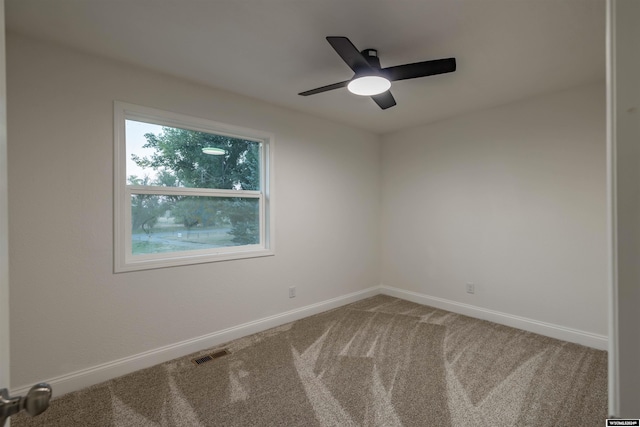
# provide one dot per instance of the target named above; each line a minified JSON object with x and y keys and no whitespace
{"x":61,"y":214}
{"x":512,"y":199}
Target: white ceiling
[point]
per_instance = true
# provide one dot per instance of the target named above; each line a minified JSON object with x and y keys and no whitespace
{"x":506,"y":50}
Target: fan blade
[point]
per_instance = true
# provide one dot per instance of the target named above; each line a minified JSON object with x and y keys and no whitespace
{"x":384,"y":100}
{"x":349,"y":53}
{"x":421,"y":69}
{"x":325,"y":88}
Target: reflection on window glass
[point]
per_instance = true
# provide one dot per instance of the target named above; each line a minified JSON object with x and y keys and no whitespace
{"x":173,"y":157}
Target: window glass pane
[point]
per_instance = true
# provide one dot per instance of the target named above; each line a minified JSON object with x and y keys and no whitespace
{"x":162,"y":223}
{"x":173,"y":157}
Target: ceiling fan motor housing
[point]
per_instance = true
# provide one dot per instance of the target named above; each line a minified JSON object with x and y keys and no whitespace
{"x":371,"y":55}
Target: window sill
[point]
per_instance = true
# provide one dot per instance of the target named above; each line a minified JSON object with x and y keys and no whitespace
{"x":178,"y":261}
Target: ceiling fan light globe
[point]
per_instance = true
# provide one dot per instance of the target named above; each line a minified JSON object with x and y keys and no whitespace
{"x":369,"y":85}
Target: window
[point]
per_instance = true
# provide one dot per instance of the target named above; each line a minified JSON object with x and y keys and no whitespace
{"x":188,"y":190}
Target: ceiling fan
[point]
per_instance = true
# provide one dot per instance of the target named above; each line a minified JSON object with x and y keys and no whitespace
{"x":372,"y":80}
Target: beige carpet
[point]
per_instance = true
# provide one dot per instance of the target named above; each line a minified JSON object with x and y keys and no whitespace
{"x":379,"y":362}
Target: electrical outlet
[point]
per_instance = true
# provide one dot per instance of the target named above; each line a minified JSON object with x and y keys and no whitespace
{"x":471,"y":288}
{"x":292,"y":291}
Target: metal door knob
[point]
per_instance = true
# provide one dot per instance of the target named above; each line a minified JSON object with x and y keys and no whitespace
{"x":37,"y":399}
{"x":34,"y":403}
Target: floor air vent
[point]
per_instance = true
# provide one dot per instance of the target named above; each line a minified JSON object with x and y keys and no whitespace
{"x":210,"y":357}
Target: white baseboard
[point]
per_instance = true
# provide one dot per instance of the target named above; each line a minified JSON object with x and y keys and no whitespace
{"x":86,"y":377}
{"x":548,"y":329}
{"x":94,"y":375}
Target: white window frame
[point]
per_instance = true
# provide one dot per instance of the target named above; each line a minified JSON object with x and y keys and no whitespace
{"x":124,"y":260}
